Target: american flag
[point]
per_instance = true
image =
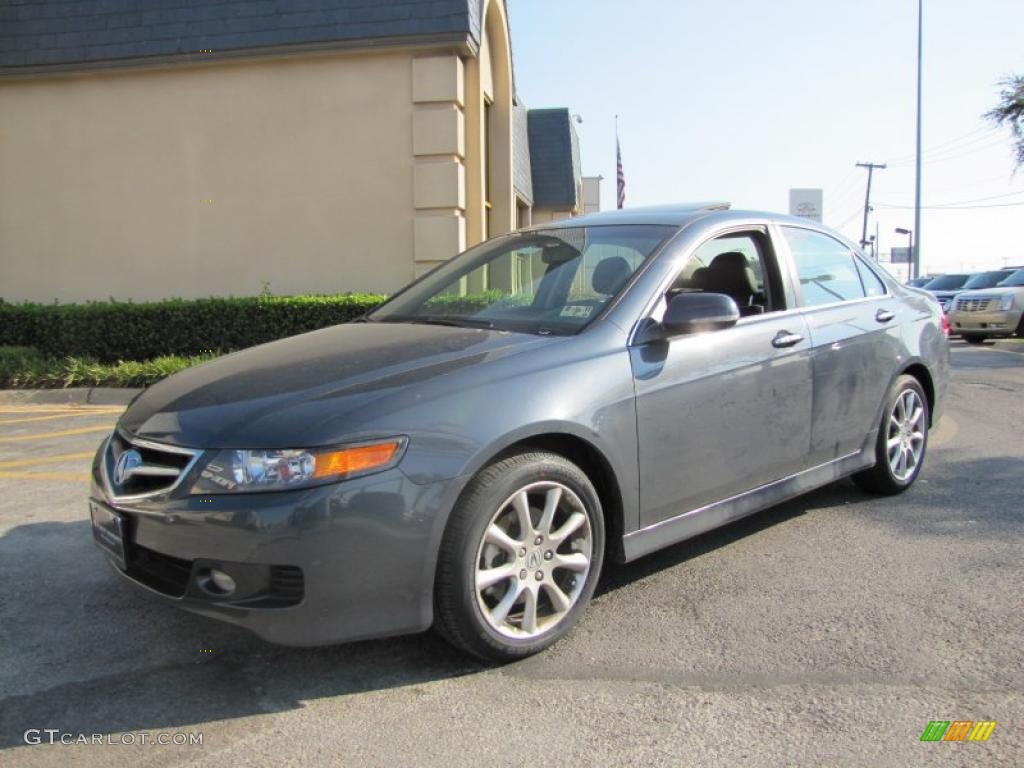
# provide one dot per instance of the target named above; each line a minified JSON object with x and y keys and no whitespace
{"x":620,"y":177}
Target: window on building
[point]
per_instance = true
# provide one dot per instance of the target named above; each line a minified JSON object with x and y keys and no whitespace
{"x":488,"y":205}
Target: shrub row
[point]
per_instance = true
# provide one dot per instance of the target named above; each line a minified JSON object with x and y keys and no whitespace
{"x":24,"y":367}
{"x":111,"y":331}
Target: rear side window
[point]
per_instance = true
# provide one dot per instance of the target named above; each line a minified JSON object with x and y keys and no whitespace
{"x":826,"y":268}
{"x":873,"y":285}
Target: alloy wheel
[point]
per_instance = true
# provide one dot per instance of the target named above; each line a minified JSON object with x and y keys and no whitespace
{"x":905,"y":437}
{"x":533,"y":560}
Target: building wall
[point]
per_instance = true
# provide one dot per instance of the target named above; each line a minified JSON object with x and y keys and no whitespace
{"x":325,"y":173}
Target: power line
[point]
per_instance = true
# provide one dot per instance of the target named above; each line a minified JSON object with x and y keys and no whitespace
{"x":953,"y":144}
{"x":953,"y":207}
{"x":968,"y":153}
{"x":975,"y":200}
{"x":851,"y":217}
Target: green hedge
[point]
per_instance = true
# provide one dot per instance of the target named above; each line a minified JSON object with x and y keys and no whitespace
{"x":113,"y":331}
{"x":24,"y":367}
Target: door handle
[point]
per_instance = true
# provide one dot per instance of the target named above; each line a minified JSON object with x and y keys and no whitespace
{"x":786,"y":339}
{"x":884,"y":315}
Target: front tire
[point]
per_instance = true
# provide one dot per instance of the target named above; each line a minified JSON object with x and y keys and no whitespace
{"x":902,"y":440}
{"x":520,"y":557}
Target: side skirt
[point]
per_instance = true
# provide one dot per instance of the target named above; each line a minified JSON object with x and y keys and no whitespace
{"x":698,"y":521}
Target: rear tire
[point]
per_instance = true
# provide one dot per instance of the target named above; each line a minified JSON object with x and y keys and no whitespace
{"x":520,"y":557}
{"x":1019,"y":333}
{"x":972,"y":338}
{"x":902,"y":440}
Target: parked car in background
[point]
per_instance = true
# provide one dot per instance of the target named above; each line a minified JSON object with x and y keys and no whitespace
{"x":470,"y":453}
{"x":988,"y":279}
{"x":990,"y":312}
{"x":945,"y":287}
{"x":920,"y":282}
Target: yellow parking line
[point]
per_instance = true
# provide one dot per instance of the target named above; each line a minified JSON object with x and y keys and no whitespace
{"x":46,"y":459}
{"x":78,"y":477}
{"x":61,"y":408}
{"x":70,"y":415}
{"x":61,"y":433}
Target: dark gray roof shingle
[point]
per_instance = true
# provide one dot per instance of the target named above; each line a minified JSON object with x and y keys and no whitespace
{"x":554,"y":158}
{"x":68,"y":32}
{"x":522,"y":176}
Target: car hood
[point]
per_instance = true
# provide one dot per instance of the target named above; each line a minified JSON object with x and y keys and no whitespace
{"x":307,"y":390}
{"x":993,"y":291}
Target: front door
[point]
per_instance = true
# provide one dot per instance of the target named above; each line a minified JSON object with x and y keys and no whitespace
{"x":723,"y":412}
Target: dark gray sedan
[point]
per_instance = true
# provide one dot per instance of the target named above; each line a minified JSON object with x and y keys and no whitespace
{"x":470,"y":454}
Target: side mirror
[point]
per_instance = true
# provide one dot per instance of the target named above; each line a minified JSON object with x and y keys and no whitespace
{"x":695,"y":312}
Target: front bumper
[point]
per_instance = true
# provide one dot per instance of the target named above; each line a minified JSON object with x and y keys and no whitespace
{"x":987,"y":323}
{"x":330,"y":564}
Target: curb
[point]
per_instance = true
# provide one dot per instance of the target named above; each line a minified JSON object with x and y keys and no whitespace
{"x":1010,"y":345}
{"x":70,"y":396}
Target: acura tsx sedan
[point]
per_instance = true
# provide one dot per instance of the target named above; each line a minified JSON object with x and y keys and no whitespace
{"x":469,"y":455}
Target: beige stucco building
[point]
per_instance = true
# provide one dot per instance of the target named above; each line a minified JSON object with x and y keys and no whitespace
{"x":350,"y":147}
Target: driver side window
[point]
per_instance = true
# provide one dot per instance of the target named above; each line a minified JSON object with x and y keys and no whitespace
{"x":735,"y":265}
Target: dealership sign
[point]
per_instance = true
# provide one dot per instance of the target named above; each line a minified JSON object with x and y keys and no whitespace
{"x":806,"y":203}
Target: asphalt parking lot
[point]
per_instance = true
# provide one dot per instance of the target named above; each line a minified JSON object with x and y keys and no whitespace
{"x":827,"y":631}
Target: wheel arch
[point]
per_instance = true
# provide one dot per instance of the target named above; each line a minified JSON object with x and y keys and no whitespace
{"x":595,"y":465}
{"x":920,"y":372}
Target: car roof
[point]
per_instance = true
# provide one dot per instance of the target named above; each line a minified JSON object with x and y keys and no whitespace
{"x":676,"y":214}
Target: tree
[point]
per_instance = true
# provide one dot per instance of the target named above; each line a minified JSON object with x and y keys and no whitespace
{"x":1010,"y":112}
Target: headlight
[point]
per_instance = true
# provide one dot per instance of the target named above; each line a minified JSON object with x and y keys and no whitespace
{"x":234,"y":471}
{"x":1007,"y":302}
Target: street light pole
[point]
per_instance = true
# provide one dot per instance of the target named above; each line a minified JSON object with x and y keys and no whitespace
{"x":910,"y":247}
{"x":916,"y":239}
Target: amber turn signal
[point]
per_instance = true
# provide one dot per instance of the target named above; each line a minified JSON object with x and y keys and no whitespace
{"x":361,"y":458}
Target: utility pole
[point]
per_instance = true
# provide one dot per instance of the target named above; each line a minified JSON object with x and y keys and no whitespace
{"x":867,"y":200}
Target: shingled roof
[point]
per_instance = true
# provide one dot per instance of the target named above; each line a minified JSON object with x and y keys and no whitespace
{"x":64,"y":33}
{"x":554,"y":158}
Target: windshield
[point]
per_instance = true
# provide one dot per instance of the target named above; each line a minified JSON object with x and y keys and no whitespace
{"x":947,"y":282}
{"x":543,"y":281}
{"x":987,"y":279}
{"x":1017,"y":278}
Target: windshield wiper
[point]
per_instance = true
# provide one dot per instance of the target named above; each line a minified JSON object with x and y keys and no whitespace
{"x":454,"y":322}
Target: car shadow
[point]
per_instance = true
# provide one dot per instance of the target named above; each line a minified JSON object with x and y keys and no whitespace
{"x":82,"y":652}
{"x":622,"y":575}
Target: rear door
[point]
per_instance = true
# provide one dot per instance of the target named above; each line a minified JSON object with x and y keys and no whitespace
{"x":854,"y":333}
{"x":726,"y":411}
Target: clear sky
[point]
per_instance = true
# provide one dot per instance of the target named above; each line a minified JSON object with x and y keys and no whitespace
{"x":740,"y":100}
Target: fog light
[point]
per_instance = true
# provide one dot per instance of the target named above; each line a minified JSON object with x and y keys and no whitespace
{"x":216,"y":582}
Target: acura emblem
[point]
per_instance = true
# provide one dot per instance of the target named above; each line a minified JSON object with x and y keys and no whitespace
{"x":126,"y":462}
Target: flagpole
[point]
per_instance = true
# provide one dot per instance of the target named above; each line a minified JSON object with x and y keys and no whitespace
{"x":620,"y":179}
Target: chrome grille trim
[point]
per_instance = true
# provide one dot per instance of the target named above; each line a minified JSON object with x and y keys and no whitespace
{"x":975,"y":304}
{"x":145,"y":470}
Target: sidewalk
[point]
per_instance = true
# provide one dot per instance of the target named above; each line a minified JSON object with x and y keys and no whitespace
{"x":70,"y":396}
{"x":1010,"y":345}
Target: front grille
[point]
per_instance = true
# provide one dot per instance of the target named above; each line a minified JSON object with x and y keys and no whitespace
{"x":150,"y":469}
{"x":975,"y":304}
{"x":166,"y":574}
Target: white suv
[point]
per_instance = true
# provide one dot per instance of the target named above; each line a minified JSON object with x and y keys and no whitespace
{"x":990,"y":312}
